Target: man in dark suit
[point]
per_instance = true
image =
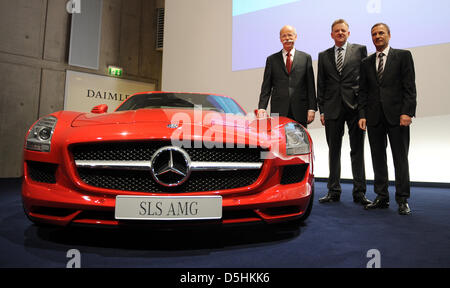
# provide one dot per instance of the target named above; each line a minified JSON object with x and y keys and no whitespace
{"x":387,"y":103}
{"x":337,"y":90}
{"x":289,"y":82}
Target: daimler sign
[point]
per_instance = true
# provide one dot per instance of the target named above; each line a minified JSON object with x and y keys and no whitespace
{"x":86,"y":90}
{"x":106,"y":95}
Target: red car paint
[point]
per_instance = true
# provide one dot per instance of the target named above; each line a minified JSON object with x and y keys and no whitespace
{"x":66,"y":199}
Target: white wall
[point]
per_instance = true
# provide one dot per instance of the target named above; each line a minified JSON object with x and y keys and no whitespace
{"x":197,"y":58}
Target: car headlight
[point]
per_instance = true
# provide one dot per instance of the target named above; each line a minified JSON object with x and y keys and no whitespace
{"x":297,"y":141}
{"x":40,"y":136}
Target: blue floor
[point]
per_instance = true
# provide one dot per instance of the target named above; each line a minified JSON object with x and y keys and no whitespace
{"x":335,"y":235}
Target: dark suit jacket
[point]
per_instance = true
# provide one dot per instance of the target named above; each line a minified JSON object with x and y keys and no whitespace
{"x":295,"y":90}
{"x":332,"y":88}
{"x":395,"y":94}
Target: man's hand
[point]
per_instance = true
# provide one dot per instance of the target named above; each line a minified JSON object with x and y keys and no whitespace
{"x":322,"y":119}
{"x":262,"y":113}
{"x":405,"y":120}
{"x":311,"y":116}
{"x":362,"y":124}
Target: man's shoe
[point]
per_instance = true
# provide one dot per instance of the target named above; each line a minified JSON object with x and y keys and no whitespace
{"x":377,"y":204}
{"x":330,"y":198}
{"x":403,"y":209}
{"x":362,"y":200}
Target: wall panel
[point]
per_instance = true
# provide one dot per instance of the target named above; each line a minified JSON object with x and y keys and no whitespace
{"x":56,"y":31}
{"x":19,"y":101}
{"x":34,"y":46}
{"x":52,"y":91}
{"x":22,"y":23}
{"x":130,"y":36}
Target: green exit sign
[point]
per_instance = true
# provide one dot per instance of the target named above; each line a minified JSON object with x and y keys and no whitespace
{"x":115,"y":71}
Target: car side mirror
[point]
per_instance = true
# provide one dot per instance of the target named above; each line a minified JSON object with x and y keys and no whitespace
{"x":100,"y":109}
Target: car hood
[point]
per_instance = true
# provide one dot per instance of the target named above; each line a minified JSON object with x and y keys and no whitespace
{"x":177,"y":117}
{"x":123,"y":117}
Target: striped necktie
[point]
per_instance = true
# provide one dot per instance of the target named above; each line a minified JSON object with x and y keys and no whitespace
{"x":380,"y":66}
{"x":340,"y":60}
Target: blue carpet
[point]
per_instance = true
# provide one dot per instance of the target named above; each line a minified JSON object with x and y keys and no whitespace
{"x":335,"y":235}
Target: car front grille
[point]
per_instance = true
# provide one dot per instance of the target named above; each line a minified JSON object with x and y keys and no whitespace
{"x":134,"y":151}
{"x":141,"y":180}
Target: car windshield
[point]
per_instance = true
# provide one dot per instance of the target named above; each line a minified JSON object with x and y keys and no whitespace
{"x":182,"y":101}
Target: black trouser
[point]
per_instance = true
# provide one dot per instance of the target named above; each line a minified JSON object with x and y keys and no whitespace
{"x":399,"y":142}
{"x":334,"y":130}
{"x":291,"y":115}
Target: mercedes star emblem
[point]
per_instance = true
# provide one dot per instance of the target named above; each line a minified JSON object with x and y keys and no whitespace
{"x":170,"y":166}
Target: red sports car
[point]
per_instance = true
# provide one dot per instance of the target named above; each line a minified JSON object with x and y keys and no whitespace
{"x":167,"y":159}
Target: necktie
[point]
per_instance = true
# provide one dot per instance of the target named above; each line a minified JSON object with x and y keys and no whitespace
{"x":380,"y":66}
{"x":288,"y":62}
{"x":340,"y":60}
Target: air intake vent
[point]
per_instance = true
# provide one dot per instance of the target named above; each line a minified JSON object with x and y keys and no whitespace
{"x":159,"y":29}
{"x":293,"y":173}
{"x":42,"y":172}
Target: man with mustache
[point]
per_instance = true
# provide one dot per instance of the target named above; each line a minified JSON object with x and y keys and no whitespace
{"x":387,"y":104}
{"x":289,"y":82}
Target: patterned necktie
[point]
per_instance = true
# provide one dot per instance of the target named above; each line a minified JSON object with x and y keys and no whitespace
{"x":340,"y":60}
{"x":380,"y":66}
{"x":288,"y":62}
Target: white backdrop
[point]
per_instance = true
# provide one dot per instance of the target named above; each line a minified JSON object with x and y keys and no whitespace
{"x":197,"y":58}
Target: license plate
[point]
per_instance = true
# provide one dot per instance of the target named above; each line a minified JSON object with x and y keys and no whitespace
{"x":168,"y":207}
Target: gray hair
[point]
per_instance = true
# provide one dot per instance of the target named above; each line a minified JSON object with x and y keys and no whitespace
{"x":293,"y":28}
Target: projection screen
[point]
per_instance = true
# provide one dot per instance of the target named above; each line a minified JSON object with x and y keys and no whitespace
{"x":220,"y":46}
